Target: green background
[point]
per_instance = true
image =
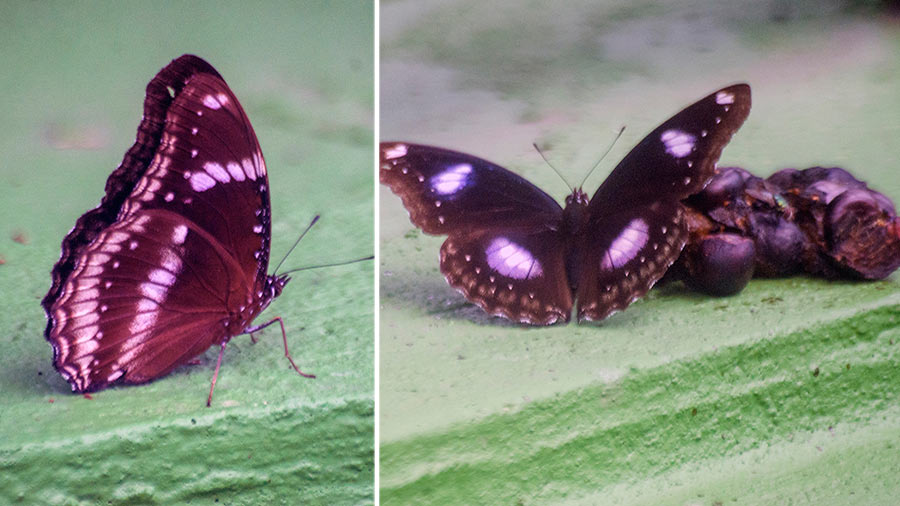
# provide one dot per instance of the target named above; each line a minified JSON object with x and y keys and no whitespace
{"x":72,"y":89}
{"x":784,"y":394}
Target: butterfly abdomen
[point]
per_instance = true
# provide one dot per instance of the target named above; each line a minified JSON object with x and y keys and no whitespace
{"x":574,"y":223}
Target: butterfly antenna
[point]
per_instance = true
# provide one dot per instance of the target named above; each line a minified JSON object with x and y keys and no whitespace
{"x":558,"y":173}
{"x":611,"y":144}
{"x":313,"y":222}
{"x":335,"y":264}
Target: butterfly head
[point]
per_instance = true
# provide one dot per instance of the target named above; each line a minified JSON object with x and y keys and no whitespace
{"x":273,"y":287}
{"x":577,"y":197}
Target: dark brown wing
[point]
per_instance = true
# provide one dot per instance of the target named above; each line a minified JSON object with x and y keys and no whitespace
{"x":178,"y":248}
{"x":505,"y":251}
{"x":148,"y":294}
{"x":516,"y":274}
{"x":679,"y":157}
{"x":635,"y":229}
{"x":446,"y":191}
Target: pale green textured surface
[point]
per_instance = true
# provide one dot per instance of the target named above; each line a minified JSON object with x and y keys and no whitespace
{"x":72,"y":94}
{"x":477,"y":410}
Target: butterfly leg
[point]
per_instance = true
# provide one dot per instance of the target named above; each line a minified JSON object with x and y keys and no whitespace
{"x":287,"y":353}
{"x":216,"y":374}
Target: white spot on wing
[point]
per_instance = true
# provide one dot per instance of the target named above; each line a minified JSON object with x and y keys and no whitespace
{"x":217,"y":171}
{"x":249,"y":169}
{"x":211,"y":102}
{"x":154,"y":292}
{"x":724,"y":97}
{"x":117,"y":237}
{"x":144,"y":319}
{"x":451,"y":180}
{"x":678,"y":142}
{"x":627,"y":245}
{"x":236,"y":171}
{"x":162,"y":277}
{"x":171,"y":262}
{"x":512,"y":260}
{"x":201,"y":182}
{"x":179,"y":233}
{"x":395,"y":151}
{"x":259,"y":164}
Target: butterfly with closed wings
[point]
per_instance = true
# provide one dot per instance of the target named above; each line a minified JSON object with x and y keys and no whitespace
{"x":174,"y":259}
{"x":515,"y":252}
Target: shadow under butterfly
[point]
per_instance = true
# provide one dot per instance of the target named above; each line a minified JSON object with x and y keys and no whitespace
{"x":515,"y":252}
{"x":174,"y":259}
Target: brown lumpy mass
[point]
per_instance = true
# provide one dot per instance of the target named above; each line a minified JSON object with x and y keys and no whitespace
{"x":820,"y":221}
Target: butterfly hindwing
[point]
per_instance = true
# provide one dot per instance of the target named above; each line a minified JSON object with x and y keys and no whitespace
{"x":625,"y":254}
{"x":447,"y":191}
{"x":517,"y":274}
{"x":146,"y":292}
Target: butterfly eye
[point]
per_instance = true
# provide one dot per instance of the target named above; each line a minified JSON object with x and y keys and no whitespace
{"x":451,"y":180}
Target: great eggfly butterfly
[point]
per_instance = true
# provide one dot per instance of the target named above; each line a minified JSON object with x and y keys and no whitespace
{"x":515,"y":252}
{"x":174,"y":259}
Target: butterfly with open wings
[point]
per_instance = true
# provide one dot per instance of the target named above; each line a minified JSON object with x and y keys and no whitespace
{"x":174,"y":259}
{"x":515,"y":252}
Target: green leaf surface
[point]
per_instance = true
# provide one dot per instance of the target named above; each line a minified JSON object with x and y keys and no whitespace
{"x":786,"y":393}
{"x":73,"y":87}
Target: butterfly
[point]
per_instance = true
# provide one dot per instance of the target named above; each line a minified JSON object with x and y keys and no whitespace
{"x":174,"y":259}
{"x":515,"y":252}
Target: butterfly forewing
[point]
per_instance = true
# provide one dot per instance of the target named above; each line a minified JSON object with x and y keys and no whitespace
{"x":678,"y":158}
{"x":635,"y":231}
{"x":210,"y":170}
{"x":444,"y":191}
{"x":174,"y":259}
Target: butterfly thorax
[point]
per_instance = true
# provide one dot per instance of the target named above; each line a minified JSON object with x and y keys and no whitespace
{"x":241,"y":319}
{"x":575,"y":214}
{"x":271,"y":289}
